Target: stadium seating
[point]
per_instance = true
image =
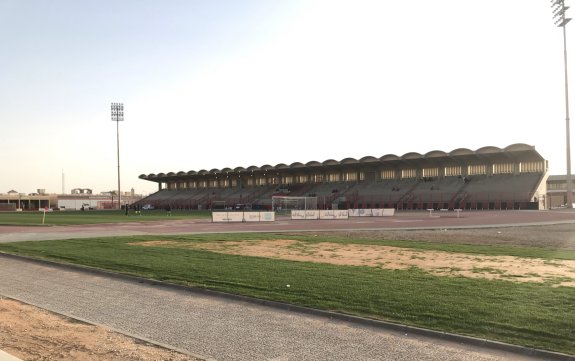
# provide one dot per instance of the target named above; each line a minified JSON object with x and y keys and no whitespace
{"x":488,"y":178}
{"x":504,"y":191}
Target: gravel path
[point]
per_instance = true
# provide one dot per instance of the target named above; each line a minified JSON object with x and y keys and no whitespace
{"x":214,"y":327}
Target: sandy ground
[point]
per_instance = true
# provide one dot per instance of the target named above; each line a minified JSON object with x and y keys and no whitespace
{"x":558,"y":272}
{"x":34,"y":334}
{"x":516,"y":269}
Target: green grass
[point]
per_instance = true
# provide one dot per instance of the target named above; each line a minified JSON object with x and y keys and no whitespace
{"x":528,"y":314}
{"x":92,"y":217}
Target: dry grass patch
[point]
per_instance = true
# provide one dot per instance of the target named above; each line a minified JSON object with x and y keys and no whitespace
{"x":517,"y":269}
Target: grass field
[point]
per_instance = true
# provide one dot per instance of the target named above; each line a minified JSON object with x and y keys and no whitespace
{"x":92,"y":217}
{"x":538,"y":315}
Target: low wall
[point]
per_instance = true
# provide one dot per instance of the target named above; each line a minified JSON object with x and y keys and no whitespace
{"x":320,"y":214}
{"x":226,"y":217}
{"x":342,"y":214}
{"x":375,"y":212}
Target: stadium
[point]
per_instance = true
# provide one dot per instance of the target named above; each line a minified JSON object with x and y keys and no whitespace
{"x":508,"y":266}
{"x":514,"y":177}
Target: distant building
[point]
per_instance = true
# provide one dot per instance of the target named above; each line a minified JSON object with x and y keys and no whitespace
{"x":14,"y":201}
{"x":83,"y":197}
{"x":557,"y":191}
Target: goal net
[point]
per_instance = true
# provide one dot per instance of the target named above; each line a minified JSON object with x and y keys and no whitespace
{"x":287,"y":203}
{"x":219,"y":205}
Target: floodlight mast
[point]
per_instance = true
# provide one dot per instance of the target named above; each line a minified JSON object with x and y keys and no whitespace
{"x":561,"y":20}
{"x":118,"y":116}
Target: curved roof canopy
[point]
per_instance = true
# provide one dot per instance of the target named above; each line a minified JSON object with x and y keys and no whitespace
{"x":368,"y":159}
{"x":313,"y":163}
{"x":435,"y":154}
{"x":461,"y":151}
{"x":348,"y":161}
{"x":512,"y":153}
{"x":331,"y":162}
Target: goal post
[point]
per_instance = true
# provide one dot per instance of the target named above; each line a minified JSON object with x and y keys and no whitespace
{"x":219,"y":205}
{"x":287,"y":203}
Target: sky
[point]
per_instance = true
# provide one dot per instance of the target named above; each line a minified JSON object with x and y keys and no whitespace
{"x":234,"y":83}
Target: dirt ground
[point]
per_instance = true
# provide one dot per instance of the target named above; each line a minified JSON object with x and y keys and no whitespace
{"x":517,"y":269}
{"x":35,"y":334}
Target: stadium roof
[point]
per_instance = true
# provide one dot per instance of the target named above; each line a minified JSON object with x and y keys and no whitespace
{"x":462,"y":156}
{"x":557,"y":178}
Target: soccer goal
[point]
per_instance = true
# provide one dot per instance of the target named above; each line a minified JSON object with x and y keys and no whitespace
{"x":287,"y":203}
{"x":219,"y":205}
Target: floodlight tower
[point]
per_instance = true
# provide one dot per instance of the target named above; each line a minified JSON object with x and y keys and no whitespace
{"x":561,"y":20}
{"x":118,"y":116}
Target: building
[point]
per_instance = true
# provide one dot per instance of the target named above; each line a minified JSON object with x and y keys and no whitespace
{"x":557,"y":191}
{"x":513,"y":177}
{"x":78,"y":198}
{"x":14,"y":200}
{"x":84,"y":199}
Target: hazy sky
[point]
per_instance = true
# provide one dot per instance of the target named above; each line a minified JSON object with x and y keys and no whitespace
{"x":226,"y":83}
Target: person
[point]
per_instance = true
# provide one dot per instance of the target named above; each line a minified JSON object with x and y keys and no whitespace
{"x":168,"y":210}
{"x":126,"y":209}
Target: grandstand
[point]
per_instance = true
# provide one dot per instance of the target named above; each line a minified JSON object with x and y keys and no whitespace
{"x":513,"y":177}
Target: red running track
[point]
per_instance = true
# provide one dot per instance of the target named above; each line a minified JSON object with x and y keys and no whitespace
{"x":401,"y":220}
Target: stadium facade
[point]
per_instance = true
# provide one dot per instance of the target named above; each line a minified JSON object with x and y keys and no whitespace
{"x":513,"y":177}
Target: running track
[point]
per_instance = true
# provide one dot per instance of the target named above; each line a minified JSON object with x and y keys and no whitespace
{"x":402,"y":220}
